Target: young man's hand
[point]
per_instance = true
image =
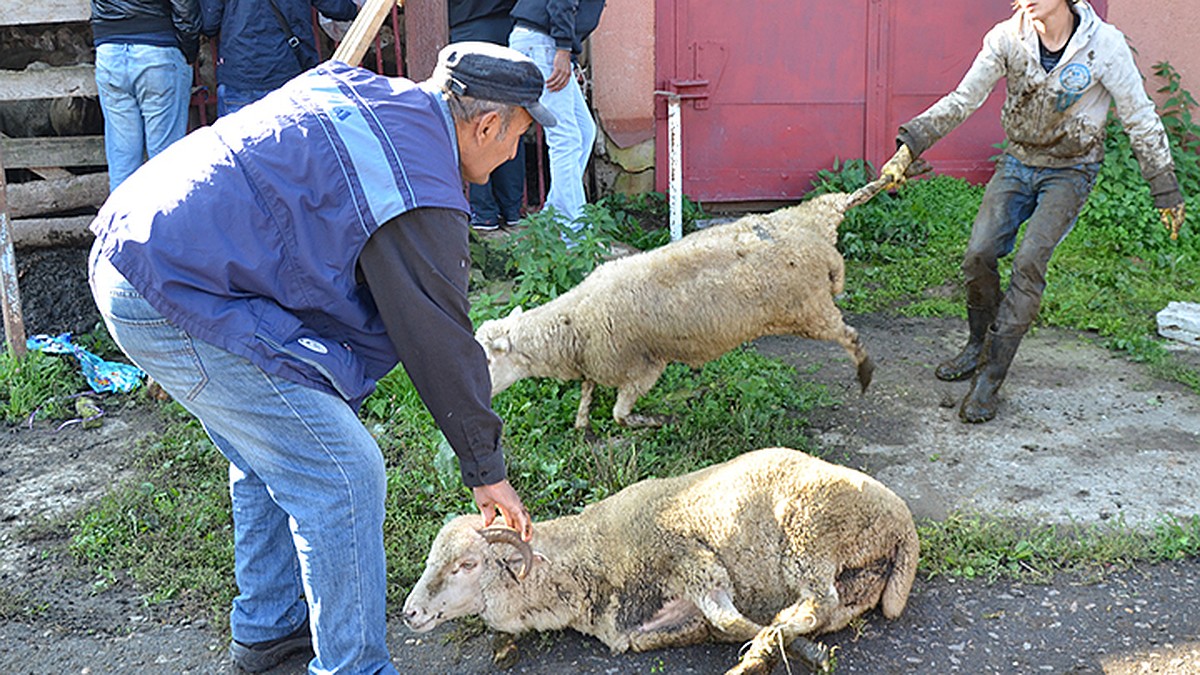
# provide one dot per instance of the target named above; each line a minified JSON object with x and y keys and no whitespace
{"x":1172,"y":219}
{"x":895,"y":167}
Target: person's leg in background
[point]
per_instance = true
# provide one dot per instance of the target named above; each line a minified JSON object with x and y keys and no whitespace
{"x":497,"y":202}
{"x":124,"y":135}
{"x":565,"y":140}
{"x":163,"y":88}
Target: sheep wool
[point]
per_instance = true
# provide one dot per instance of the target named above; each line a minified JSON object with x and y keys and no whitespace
{"x":767,"y":547}
{"x":689,"y":301}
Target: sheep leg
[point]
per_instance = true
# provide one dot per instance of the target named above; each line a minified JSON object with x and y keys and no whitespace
{"x":676,"y":624}
{"x":786,"y":633}
{"x":836,"y":330}
{"x":582,"y":420}
{"x":631,"y":391}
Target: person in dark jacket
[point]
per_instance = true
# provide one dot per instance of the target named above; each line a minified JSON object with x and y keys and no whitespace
{"x":143,"y":52}
{"x":551,"y":32}
{"x":263,"y":43}
{"x":269,"y":269}
{"x":497,"y":202}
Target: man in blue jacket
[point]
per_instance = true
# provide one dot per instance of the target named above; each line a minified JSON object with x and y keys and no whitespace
{"x":551,"y":32}
{"x":266,"y":271}
{"x":263,"y":43}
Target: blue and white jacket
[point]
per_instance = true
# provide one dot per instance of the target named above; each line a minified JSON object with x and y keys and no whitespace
{"x":246,"y":234}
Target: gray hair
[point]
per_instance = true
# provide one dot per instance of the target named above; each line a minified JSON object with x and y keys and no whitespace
{"x":467,"y":108}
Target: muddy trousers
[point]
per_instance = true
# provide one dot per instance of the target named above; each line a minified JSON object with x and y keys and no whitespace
{"x":1048,"y":201}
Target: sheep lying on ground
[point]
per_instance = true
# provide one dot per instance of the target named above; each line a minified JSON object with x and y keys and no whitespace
{"x":689,"y":301}
{"x":767,"y":547}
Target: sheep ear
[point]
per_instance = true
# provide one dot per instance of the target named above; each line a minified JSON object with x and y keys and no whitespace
{"x":517,"y":311}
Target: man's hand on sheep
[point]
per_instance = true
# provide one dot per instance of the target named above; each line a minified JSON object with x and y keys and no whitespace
{"x":500,"y":498}
{"x":896,"y":167}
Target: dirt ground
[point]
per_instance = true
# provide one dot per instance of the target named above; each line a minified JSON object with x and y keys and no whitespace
{"x":1082,"y":437}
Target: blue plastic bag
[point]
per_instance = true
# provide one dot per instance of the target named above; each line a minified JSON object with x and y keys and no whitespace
{"x":101,"y":375}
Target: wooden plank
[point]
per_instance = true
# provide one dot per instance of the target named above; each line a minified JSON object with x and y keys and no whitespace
{"x":29,"y":153}
{"x":363,"y":31}
{"x":37,"y":197}
{"x":10,"y":291}
{"x":47,"y":82}
{"x":15,"y":12}
{"x":48,"y":232}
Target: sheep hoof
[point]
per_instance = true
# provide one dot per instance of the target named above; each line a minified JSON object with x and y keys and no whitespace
{"x":505,"y":653}
{"x":815,"y":655}
{"x":644,"y":421}
{"x":865,"y":370}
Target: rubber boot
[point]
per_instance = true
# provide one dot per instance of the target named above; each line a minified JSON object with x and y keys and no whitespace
{"x":979,"y":320}
{"x":982,"y":402}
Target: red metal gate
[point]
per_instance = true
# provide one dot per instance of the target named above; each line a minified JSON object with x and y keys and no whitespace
{"x":776,"y":90}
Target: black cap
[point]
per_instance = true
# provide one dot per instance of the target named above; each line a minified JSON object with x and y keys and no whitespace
{"x":493,"y":72}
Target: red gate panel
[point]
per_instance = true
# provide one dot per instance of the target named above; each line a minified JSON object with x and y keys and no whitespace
{"x":776,"y":90}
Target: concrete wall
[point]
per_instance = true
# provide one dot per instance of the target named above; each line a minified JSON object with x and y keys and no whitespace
{"x":1161,"y":30}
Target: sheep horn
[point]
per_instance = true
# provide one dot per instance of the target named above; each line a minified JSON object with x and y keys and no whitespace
{"x":507,"y":535}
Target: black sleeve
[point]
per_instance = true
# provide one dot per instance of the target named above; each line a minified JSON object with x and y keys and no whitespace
{"x":416,"y":267}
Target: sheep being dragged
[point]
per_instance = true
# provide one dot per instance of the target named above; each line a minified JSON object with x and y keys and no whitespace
{"x":689,"y":301}
{"x":767,"y":547}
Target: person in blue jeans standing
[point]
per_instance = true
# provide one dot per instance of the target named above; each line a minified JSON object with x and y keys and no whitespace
{"x":263,"y":43}
{"x":1064,"y":67}
{"x":551,"y":32}
{"x":497,"y":202}
{"x":144,"y":49}
{"x":268,"y":270}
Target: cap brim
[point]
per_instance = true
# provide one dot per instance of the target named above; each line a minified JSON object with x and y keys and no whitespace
{"x":539,"y":112}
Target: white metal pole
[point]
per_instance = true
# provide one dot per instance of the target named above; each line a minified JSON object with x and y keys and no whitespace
{"x":675,"y":176}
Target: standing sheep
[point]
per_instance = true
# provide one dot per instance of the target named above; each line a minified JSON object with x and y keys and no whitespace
{"x":767,"y":547}
{"x":689,"y":301}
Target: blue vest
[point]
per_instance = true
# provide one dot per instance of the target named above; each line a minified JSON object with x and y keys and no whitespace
{"x":246,"y":234}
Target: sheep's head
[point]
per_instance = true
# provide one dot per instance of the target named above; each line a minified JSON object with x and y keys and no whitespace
{"x":455,"y":581}
{"x":505,"y":365}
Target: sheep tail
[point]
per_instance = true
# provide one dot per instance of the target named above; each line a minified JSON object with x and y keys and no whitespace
{"x":904,"y":571}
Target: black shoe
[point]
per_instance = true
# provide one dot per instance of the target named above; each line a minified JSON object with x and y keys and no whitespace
{"x":261,"y":656}
{"x":962,"y":366}
{"x":983,"y":401}
{"x":485,"y":225}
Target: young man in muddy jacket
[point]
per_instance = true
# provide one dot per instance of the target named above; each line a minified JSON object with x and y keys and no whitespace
{"x":269,"y":269}
{"x":1064,"y":66}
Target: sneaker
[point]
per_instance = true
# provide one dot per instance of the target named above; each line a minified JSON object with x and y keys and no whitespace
{"x":485,"y":225}
{"x":261,"y":656}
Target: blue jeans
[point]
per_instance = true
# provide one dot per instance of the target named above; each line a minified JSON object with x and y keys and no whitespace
{"x":144,"y":93}
{"x":231,"y":100}
{"x":498,"y":200}
{"x":1048,"y":201}
{"x":307,"y":484}
{"x":570,"y":141}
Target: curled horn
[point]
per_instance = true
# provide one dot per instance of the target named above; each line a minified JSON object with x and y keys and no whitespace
{"x":507,"y":535}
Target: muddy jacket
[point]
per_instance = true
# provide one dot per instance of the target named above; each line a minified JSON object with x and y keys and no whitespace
{"x":1057,"y":119}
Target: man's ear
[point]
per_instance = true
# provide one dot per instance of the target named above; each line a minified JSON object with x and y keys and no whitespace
{"x":487,"y":126}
